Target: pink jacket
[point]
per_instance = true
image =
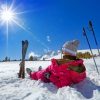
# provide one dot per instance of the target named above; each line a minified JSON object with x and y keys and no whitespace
{"x":61,"y":75}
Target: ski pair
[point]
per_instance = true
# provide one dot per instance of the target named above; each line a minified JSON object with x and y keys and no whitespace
{"x":84,"y":33}
{"x":22,"y":64}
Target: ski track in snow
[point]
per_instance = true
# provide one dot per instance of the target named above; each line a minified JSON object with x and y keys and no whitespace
{"x":13,"y":88}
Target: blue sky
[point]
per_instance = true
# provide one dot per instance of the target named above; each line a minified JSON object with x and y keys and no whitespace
{"x":47,"y":24}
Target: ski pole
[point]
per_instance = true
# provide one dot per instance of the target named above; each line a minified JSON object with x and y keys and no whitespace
{"x":84,"y":33}
{"x":91,"y":29}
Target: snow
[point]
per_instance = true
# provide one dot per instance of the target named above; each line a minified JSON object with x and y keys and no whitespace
{"x":13,"y":88}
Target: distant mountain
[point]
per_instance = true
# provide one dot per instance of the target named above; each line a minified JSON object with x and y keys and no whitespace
{"x":50,"y":54}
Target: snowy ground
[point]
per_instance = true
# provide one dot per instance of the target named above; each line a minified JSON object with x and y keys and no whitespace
{"x":12,"y":88}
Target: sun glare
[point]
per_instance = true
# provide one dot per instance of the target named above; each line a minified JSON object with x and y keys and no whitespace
{"x":7,"y":15}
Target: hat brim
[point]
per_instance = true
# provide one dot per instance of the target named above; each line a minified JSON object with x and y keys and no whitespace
{"x":67,"y":51}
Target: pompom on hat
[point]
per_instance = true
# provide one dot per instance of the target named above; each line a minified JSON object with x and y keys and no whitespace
{"x":70,"y":47}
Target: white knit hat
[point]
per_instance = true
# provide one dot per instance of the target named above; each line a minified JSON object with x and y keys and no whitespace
{"x":70,"y":47}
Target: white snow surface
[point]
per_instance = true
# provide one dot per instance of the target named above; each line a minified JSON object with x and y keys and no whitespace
{"x":13,"y":88}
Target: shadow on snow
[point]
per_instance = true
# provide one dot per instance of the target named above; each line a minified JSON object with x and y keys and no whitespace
{"x":86,"y":88}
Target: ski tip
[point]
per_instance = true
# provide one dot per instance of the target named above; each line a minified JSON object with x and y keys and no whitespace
{"x":26,"y":41}
{"x":90,"y":23}
{"x":23,"y":42}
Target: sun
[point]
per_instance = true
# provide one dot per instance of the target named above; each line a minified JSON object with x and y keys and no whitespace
{"x":7,"y":15}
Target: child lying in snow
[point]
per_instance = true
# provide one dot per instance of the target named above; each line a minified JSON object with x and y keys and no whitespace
{"x":63,"y":72}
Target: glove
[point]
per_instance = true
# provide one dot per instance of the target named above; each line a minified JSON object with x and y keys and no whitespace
{"x":47,"y":75}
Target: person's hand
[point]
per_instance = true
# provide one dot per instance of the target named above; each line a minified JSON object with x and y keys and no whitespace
{"x":47,"y":75}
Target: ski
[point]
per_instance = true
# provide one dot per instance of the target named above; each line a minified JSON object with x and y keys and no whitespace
{"x":84,"y":33}
{"x":22,"y":64}
{"x":24,"y":49}
{"x":91,"y":29}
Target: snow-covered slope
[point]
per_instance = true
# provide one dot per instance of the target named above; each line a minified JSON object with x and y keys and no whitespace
{"x":13,"y":88}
